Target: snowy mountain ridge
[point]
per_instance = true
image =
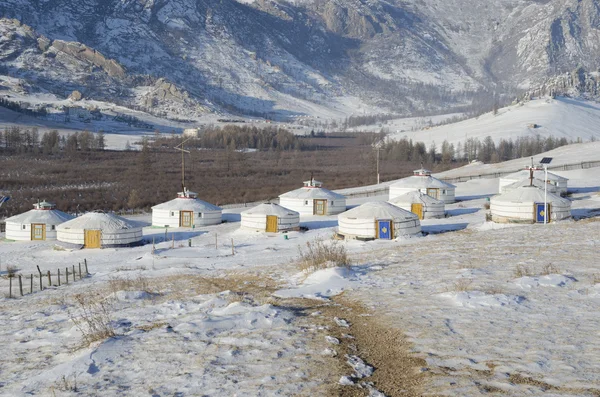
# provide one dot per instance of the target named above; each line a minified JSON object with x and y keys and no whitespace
{"x":282,"y":59}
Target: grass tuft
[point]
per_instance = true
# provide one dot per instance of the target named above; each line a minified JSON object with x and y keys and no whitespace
{"x":321,"y":254}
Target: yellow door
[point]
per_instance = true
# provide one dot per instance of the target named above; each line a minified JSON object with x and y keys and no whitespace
{"x":186,"y":218}
{"x":92,"y":239}
{"x":271,"y":223}
{"x":435,"y":193}
{"x":38,"y":231}
{"x":417,"y":208}
{"x":320,"y":207}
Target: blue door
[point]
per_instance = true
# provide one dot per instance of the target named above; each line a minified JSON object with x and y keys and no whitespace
{"x":384,"y":229}
{"x":539,"y":213}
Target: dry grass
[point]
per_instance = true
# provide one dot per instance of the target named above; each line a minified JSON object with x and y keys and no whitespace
{"x":11,"y":271}
{"x":94,"y":317}
{"x":550,"y":269}
{"x":139,"y":283}
{"x":596,"y":278}
{"x":320,"y":254}
{"x":522,"y":271}
{"x":462,"y":285}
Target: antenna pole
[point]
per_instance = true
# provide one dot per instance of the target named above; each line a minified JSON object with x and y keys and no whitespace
{"x":183,"y":151}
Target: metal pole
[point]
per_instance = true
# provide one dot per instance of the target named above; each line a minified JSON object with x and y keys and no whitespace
{"x":545,"y":193}
{"x":378,"y":165}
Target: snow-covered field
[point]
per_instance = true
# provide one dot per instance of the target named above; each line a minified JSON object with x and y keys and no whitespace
{"x":489,"y":309}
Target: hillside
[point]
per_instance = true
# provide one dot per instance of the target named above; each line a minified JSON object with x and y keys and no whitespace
{"x":280,"y":59}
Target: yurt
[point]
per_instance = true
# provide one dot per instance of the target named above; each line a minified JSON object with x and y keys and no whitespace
{"x":423,"y":181}
{"x":378,"y":220}
{"x":550,"y":188}
{"x":270,"y":217}
{"x":37,"y":224}
{"x":525,"y":204}
{"x":98,"y":229}
{"x":558,"y":183}
{"x":186,"y":211}
{"x":420,"y":204}
{"x":313,"y":199}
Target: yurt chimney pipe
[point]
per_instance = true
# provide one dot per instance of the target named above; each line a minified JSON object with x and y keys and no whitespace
{"x":183,"y":151}
{"x":531,"y":176}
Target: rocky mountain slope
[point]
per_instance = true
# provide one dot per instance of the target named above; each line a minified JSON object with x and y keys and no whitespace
{"x":280,"y":58}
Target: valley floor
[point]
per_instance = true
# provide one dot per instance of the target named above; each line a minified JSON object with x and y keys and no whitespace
{"x":470,"y":309}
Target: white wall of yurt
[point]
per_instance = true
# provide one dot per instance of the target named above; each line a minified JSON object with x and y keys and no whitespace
{"x":304,"y":199}
{"x":20,"y":227}
{"x":519,"y":206}
{"x":168,"y":214}
{"x":114,"y":230}
{"x":256,"y":218}
{"x":361,"y":222}
{"x":431,"y":208}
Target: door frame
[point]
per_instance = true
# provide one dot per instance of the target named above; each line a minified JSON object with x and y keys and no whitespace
{"x":276,"y":224}
{"x":98,"y":232}
{"x":437,"y":192}
{"x":420,"y":213}
{"x":181,"y":215}
{"x":377,"y":227}
{"x":33,"y":225}
{"x":324,"y":201}
{"x":536,"y":208}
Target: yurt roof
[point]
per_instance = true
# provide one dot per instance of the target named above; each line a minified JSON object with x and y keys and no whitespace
{"x":99,"y":220}
{"x":422,"y":182}
{"x":270,"y":209}
{"x":526,"y":182}
{"x":378,"y":210}
{"x":529,"y":194}
{"x":415,"y":197}
{"x":187,"y":204}
{"x":310,"y":193}
{"x":51,"y":217}
{"x":537,"y":174}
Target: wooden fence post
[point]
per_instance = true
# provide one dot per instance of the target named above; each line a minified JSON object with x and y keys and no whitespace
{"x":74,"y":273}
{"x":86,"y":269}
{"x":80,"y":270}
{"x":31,"y":286}
{"x":216,"y":241}
{"x":10,"y":287}
{"x":232,"y":251}
{"x":40,"y":272}
{"x":58,"y":273}
{"x":20,"y":285}
{"x":49,"y":279}
{"x":67,"y":274}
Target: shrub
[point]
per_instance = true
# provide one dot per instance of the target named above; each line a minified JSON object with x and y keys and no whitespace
{"x":94,"y":321}
{"x":522,"y":271}
{"x":11,"y":271}
{"x":550,"y":269}
{"x":321,"y":254}
{"x":462,"y":285}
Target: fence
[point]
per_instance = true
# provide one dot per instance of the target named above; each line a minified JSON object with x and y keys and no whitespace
{"x":16,"y":286}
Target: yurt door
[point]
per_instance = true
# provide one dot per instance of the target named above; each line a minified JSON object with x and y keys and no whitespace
{"x":38,"y":231}
{"x":271,"y":223}
{"x":417,"y":208}
{"x":435,"y":193}
{"x":320,"y":207}
{"x":186,"y":218}
{"x":92,"y":239}
{"x":539,"y":212}
{"x":384,"y":230}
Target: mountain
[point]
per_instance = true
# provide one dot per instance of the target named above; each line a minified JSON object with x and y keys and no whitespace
{"x":186,"y":58}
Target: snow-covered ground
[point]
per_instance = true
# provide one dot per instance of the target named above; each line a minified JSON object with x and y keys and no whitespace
{"x":491,"y":309}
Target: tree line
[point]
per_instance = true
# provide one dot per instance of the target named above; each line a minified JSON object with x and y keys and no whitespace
{"x":19,"y":140}
{"x":487,"y":151}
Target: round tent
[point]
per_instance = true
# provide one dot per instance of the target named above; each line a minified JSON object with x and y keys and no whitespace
{"x":270,"y":217}
{"x":555,"y":182}
{"x":423,"y":205}
{"x":423,"y":181}
{"x":525,"y":204}
{"x":186,"y":211}
{"x":313,"y":199}
{"x":378,"y":220}
{"x":99,"y":229}
{"x":37,"y":224}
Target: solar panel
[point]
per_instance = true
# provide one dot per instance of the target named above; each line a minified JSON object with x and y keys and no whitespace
{"x":546,"y":160}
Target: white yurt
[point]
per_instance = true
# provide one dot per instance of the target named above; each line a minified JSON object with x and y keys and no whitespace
{"x":37,"y":224}
{"x":539,"y":183}
{"x":525,"y":204}
{"x":98,"y":229}
{"x":559,"y":184}
{"x":186,"y":211}
{"x":313,"y":199}
{"x":270,"y":217}
{"x":378,"y":220}
{"x":423,"y":181}
{"x":423,"y":205}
